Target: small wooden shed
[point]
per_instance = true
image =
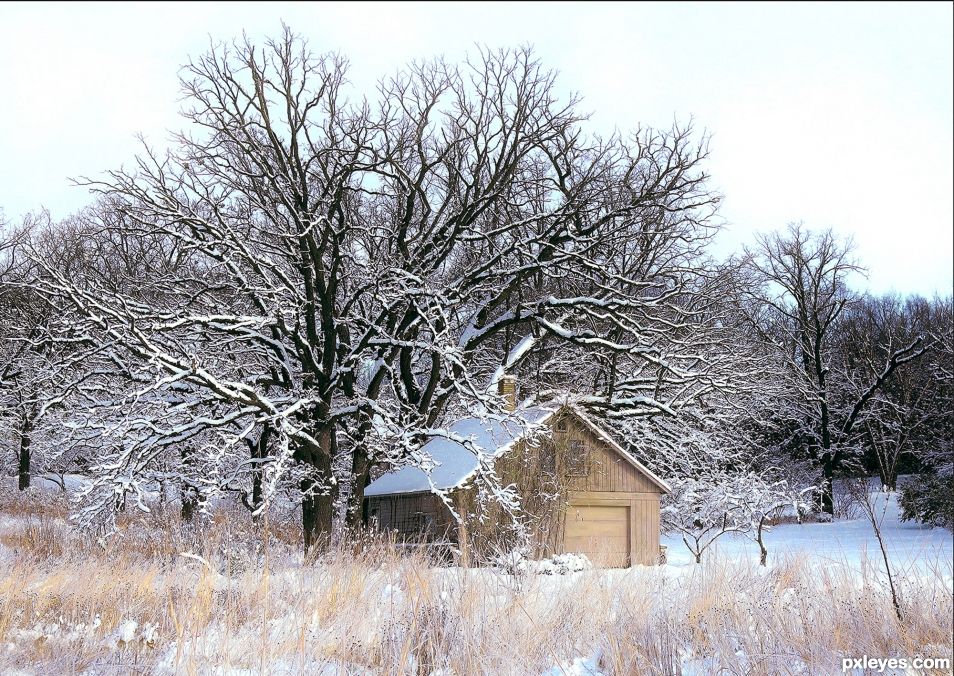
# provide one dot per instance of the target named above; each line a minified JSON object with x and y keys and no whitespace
{"x":585,"y":493}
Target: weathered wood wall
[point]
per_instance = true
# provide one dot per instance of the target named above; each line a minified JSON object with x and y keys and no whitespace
{"x":421,"y":516}
{"x":543,"y":472}
{"x":610,"y":480}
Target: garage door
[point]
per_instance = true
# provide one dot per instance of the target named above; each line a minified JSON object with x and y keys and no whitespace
{"x":600,"y":532}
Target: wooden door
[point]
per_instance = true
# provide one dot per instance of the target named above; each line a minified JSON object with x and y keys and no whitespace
{"x":600,"y":532}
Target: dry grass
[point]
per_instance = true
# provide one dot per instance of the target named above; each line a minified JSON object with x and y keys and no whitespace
{"x":250,"y":604}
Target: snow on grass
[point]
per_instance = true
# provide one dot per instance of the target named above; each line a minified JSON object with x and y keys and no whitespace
{"x":516,"y":562}
{"x":221,"y":598}
{"x":578,"y":667}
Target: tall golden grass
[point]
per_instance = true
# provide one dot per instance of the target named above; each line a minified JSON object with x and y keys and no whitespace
{"x":245,"y":601}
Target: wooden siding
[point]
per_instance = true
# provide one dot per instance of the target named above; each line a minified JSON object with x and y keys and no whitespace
{"x":412,"y":515}
{"x":645,"y":549}
{"x":610,"y":480}
{"x":607,"y":470}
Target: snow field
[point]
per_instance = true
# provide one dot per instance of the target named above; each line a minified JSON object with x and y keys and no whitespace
{"x":226,"y":599}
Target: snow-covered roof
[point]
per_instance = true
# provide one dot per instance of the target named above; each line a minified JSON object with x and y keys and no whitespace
{"x":454,"y":463}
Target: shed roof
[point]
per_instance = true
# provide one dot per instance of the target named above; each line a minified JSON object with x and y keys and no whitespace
{"x":452,"y":452}
{"x":454,"y":459}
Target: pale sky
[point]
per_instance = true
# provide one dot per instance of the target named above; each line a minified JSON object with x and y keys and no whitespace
{"x":833,"y":114}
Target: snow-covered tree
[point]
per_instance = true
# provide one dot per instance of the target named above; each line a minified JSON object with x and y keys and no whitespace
{"x":928,"y":496}
{"x":702,"y":509}
{"x":350,"y":275}
{"x":34,"y":368}
{"x":764,"y":500}
{"x":797,"y":296}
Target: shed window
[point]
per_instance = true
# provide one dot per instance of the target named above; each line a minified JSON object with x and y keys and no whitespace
{"x":548,"y":460}
{"x":575,"y":459}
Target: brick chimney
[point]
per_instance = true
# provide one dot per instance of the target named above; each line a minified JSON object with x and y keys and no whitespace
{"x":507,"y":388}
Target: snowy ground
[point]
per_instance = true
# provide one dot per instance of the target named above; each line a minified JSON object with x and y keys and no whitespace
{"x":850,"y":542}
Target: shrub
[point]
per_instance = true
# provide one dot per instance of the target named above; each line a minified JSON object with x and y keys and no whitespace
{"x":929,"y":498}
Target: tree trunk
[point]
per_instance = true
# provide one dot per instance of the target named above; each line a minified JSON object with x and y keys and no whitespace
{"x":360,"y":475}
{"x":887,"y":459}
{"x":258,"y":450}
{"x":316,"y":512}
{"x":888,"y":478}
{"x":318,"y":494}
{"x":188,"y":500}
{"x":763,"y":552}
{"x":308,"y":514}
{"x":188,"y":497}
{"x":827,"y":452}
{"x":256,"y":489}
{"x":24,"y":459}
{"x":827,"y":489}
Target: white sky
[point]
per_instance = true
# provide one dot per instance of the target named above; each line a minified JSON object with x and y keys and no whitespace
{"x":834,"y":114}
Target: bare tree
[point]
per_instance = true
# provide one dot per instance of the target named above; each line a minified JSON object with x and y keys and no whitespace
{"x":896,"y":423}
{"x":29,"y":373}
{"x":929,"y":495}
{"x":704,"y":508}
{"x":359,"y":272}
{"x":765,"y":501}
{"x":798,"y":294}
